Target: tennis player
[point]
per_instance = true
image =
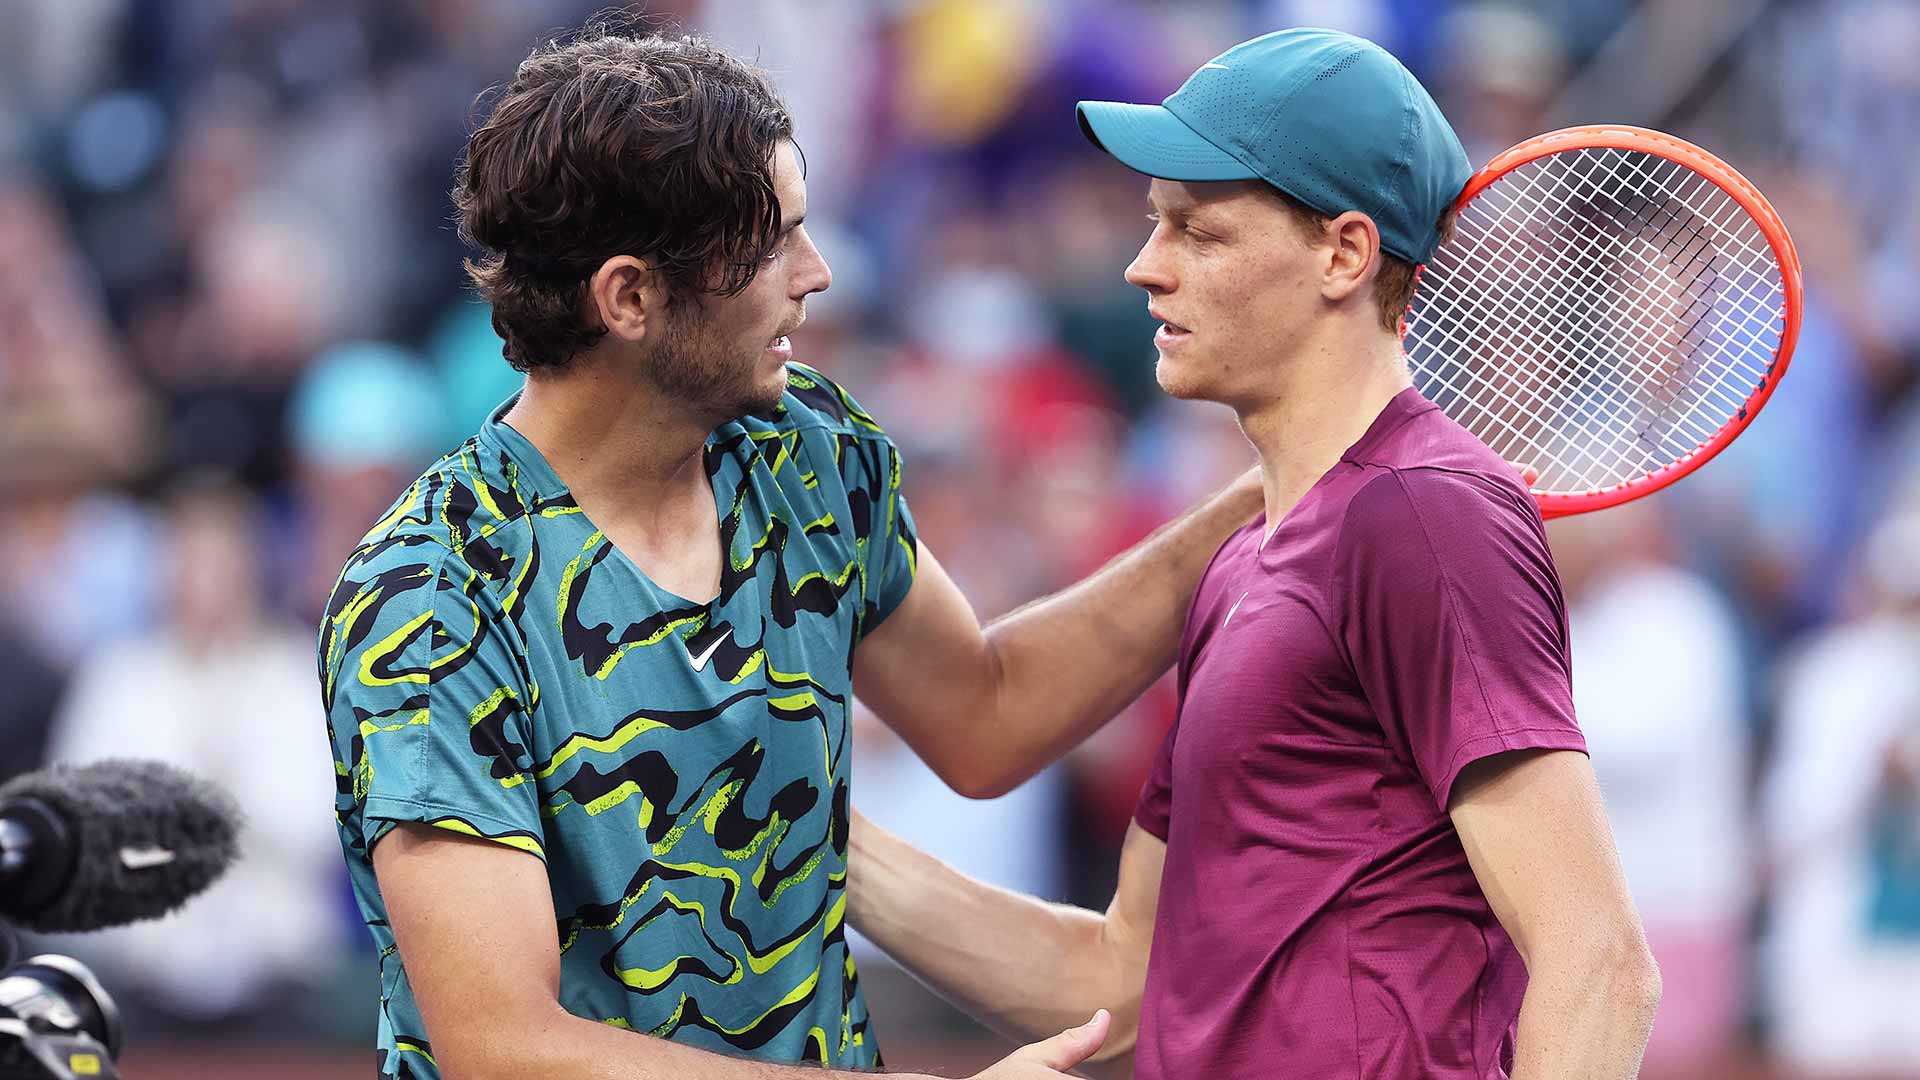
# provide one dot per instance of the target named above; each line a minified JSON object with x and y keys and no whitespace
{"x":1371,"y":847}
{"x":588,"y":681}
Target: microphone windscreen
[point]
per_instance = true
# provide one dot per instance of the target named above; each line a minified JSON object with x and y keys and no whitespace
{"x":150,"y":837}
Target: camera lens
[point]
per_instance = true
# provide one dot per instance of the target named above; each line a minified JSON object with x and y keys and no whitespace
{"x":58,"y":993}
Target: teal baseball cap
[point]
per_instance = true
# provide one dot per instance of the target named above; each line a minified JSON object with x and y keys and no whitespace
{"x":1329,"y":118}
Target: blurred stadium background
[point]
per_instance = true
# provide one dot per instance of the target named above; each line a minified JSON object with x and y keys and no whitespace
{"x":233,"y":325}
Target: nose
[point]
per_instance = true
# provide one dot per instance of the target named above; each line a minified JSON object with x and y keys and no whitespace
{"x":1149,"y":268}
{"x":812,"y":275}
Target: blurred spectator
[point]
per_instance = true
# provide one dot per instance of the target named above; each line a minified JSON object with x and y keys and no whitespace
{"x":73,"y":426}
{"x":1079,"y":227}
{"x":29,"y":689}
{"x":364,"y":421}
{"x":1658,"y":687}
{"x":474,"y":378}
{"x":270,"y":294}
{"x":227,"y":691}
{"x":822,"y":58}
{"x":1776,"y":514}
{"x":1503,"y":65}
{"x":1843,"y":816}
{"x":899,"y":791}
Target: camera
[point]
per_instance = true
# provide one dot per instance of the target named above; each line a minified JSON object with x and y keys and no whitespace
{"x":56,"y":1021}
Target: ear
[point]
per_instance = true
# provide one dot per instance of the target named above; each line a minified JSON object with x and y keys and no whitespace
{"x":629,"y":296}
{"x":1355,"y":259}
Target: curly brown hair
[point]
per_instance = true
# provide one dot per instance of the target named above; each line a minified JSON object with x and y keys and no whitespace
{"x":616,"y":143}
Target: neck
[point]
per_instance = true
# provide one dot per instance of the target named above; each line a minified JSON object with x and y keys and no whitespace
{"x":616,"y":443}
{"x":1319,"y":403}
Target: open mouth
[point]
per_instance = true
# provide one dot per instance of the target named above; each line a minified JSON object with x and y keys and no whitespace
{"x":782,"y":344}
{"x":1170,"y":332}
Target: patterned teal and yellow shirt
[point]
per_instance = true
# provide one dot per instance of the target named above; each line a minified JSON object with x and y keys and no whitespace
{"x":491,"y":665}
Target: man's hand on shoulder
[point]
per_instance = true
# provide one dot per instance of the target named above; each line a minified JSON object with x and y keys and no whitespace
{"x":988,"y":708}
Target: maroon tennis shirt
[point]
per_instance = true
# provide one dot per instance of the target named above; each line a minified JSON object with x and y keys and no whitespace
{"x":1318,"y":918}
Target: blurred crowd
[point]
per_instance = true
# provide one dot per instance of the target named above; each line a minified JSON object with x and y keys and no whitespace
{"x":233,"y":326}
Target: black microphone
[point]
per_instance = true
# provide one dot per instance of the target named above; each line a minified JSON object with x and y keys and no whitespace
{"x":91,"y":846}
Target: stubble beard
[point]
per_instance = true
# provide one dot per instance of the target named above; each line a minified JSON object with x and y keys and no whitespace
{"x":693,"y":368}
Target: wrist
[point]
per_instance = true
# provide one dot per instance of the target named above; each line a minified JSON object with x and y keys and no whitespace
{"x":867,"y":865}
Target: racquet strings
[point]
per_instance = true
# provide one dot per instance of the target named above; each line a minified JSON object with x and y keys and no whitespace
{"x":1600,"y":314}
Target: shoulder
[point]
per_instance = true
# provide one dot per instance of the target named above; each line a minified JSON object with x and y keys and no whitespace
{"x":399,"y":575}
{"x":1451,"y":501}
{"x":388,"y":582}
{"x":421,"y":512}
{"x":1442,"y":464}
{"x":813,"y":401}
{"x":1412,"y":529}
{"x":406,"y":611}
{"x":462,"y":517}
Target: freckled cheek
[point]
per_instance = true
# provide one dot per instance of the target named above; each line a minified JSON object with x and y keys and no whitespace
{"x":1248,"y":318}
{"x":1233,"y":306}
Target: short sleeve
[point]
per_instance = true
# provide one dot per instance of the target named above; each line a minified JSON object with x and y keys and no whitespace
{"x":892,"y":553}
{"x":870,"y":470}
{"x":425,"y":702}
{"x":1454,"y":622}
{"x":1154,"y":810}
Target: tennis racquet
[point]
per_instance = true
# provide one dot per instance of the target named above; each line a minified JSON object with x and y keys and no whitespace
{"x":1614,"y":308}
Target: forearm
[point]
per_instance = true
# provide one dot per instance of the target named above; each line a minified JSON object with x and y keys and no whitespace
{"x":1019,"y":965}
{"x":1066,"y":664}
{"x":557,"y":1043}
{"x":1586,"y":1019}
{"x":474,"y":923}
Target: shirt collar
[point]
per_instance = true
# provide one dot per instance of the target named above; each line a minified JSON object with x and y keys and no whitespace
{"x":1404,"y":406}
{"x":537,"y":478}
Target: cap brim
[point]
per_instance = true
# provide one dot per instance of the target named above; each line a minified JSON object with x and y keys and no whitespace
{"x":1149,"y":139}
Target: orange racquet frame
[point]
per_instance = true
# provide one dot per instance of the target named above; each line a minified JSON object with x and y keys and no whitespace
{"x":1749,"y":198}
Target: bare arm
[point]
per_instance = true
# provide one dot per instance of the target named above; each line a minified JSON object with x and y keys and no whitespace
{"x":1015,"y":963}
{"x":474,"y":922}
{"x":1537,"y":837}
{"x":986,"y":709}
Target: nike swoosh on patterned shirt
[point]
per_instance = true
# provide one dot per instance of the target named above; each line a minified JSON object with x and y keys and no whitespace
{"x":700,"y":662}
